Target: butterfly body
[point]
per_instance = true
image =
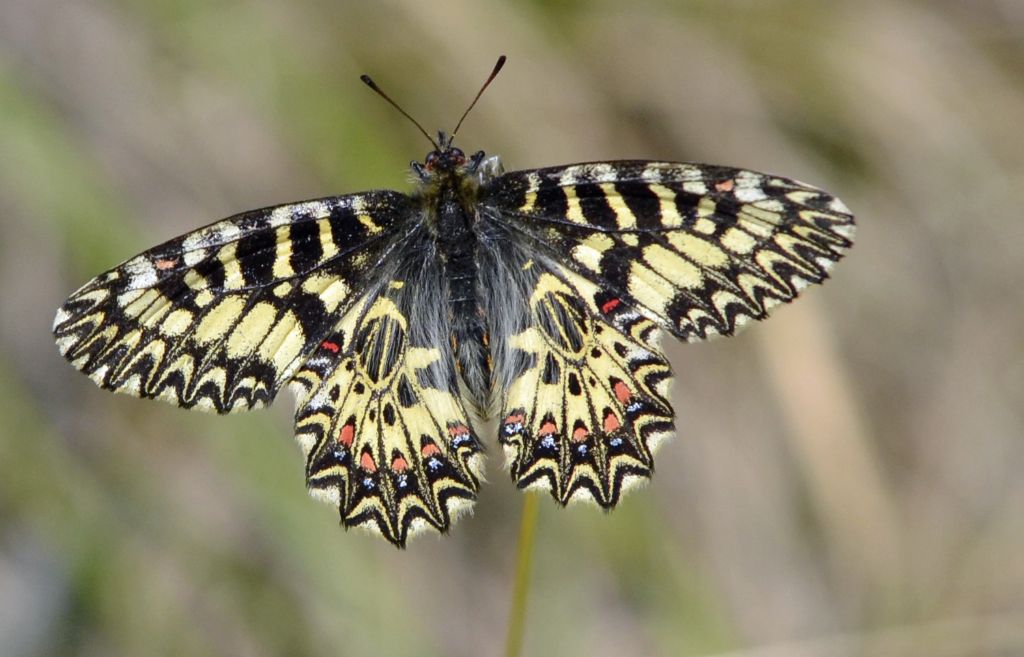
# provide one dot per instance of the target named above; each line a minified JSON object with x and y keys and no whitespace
{"x":449,"y":197}
{"x":399,"y":321}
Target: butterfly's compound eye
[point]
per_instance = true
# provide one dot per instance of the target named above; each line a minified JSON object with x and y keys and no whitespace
{"x":457,"y":156}
{"x":430,"y":161}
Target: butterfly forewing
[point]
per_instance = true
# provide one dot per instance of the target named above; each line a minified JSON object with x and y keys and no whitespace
{"x":699,"y":249}
{"x":220,"y":318}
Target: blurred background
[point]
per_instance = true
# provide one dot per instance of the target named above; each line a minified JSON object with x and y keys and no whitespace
{"x":847,"y":476}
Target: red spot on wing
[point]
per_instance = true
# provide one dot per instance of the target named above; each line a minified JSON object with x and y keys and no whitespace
{"x":725,"y":185}
{"x":580,"y":434}
{"x":458,"y":429}
{"x":399,"y":464}
{"x":366,"y":462}
{"x":514,"y":418}
{"x":611,"y":423}
{"x":610,"y":305}
{"x":622,"y":392}
{"x":164,"y":264}
{"x":430,"y":449}
{"x":346,"y":435}
{"x":330,"y":346}
{"x":548,"y":427}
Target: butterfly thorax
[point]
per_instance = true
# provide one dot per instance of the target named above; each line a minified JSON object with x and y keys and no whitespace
{"x":448,"y":196}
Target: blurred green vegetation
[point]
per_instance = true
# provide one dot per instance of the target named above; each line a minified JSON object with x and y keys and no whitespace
{"x":846,"y":479}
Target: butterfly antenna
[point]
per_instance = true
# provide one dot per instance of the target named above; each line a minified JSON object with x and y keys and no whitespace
{"x":490,"y":78}
{"x":368,"y":81}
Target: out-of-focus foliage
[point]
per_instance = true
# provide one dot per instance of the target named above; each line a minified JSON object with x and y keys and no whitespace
{"x":846,"y":479}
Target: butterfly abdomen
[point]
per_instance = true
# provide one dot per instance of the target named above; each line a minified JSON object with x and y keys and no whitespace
{"x":457,"y":245}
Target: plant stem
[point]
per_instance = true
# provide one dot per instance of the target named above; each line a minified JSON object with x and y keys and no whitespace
{"x":524,"y":559}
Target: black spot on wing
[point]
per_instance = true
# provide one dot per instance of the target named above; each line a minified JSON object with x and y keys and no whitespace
{"x":256,"y":255}
{"x":345,"y":229}
{"x":575,"y":388}
{"x":594,"y":205}
{"x":306,"y":248}
{"x":309,"y":309}
{"x":406,"y":396}
{"x":551,"y":201}
{"x":212,"y":270}
{"x":641,"y":200}
{"x":552,"y":371}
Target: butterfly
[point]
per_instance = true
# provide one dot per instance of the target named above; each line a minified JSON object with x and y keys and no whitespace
{"x":404,"y":322}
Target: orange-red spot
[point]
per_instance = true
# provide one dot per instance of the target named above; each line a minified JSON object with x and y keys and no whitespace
{"x":399,"y":464}
{"x":430,"y":449}
{"x":725,"y":185}
{"x":548,"y":427}
{"x":165,"y":263}
{"x":458,"y":429}
{"x":346,"y":435}
{"x":611,"y":423}
{"x":610,"y":305}
{"x":580,"y":434}
{"x":330,"y":346}
{"x":366,"y":462}
{"x":512,"y":419}
{"x":622,"y":392}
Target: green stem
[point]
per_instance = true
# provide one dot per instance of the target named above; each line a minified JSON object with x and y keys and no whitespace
{"x":524,"y":558}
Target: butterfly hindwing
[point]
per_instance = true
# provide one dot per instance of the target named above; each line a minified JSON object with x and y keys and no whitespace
{"x":588,"y":404}
{"x":386,"y":435}
{"x":220,"y":318}
{"x":700,"y":249}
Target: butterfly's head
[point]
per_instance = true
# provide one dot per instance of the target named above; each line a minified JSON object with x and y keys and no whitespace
{"x":445,"y":157}
{"x":449,"y":160}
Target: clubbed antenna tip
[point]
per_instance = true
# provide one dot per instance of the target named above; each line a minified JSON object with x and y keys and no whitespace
{"x":368,"y":81}
{"x":487,"y":82}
